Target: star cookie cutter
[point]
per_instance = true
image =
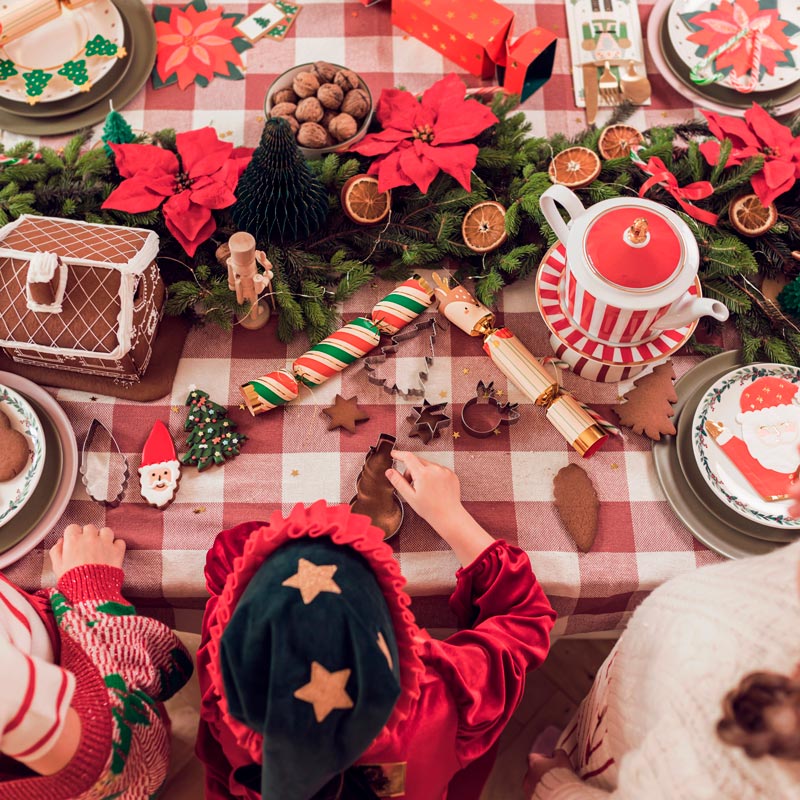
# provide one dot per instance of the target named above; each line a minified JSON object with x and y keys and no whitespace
{"x":426,"y":421}
{"x":100,"y":486}
{"x":371,"y":363}
{"x":483,"y":414}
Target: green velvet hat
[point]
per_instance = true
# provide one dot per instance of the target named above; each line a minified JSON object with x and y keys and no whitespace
{"x":310,"y":661}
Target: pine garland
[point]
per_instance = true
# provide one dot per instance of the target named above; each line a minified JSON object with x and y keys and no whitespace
{"x":312,"y":276}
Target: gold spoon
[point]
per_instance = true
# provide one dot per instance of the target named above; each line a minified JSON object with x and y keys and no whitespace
{"x":635,"y":88}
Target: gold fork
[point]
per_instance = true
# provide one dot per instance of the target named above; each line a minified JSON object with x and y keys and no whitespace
{"x":608,"y":87}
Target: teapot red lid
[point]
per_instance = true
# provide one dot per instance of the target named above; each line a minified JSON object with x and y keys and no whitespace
{"x":633,"y":248}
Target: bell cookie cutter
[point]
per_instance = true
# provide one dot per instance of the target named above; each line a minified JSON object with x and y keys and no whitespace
{"x":483,"y":415}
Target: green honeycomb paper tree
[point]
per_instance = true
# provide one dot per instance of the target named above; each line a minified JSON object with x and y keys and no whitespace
{"x":212,"y":436}
{"x":75,"y":71}
{"x":36,"y":82}
{"x":116,"y":130}
{"x":278,"y":197}
{"x":100,"y":46}
{"x":7,"y":69}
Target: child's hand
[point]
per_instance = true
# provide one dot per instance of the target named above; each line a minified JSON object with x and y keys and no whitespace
{"x":433,"y":491}
{"x":86,"y":546}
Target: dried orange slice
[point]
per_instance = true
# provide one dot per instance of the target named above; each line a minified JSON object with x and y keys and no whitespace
{"x":574,"y":167}
{"x":484,"y":227}
{"x":617,"y":141}
{"x":362,"y":201}
{"x":749,"y":217}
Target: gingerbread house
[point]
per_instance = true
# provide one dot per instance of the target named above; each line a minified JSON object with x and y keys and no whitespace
{"x":79,"y":296}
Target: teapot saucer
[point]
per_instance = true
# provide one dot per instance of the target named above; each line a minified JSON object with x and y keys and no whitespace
{"x":548,"y":281}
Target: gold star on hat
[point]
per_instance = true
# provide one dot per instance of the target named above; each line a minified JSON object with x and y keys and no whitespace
{"x":312,"y":579}
{"x":325,"y":691}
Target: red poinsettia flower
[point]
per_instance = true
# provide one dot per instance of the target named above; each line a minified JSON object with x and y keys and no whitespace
{"x":422,"y":137}
{"x":722,"y":23}
{"x":195,"y":43}
{"x":202,"y":180}
{"x":757,"y":134}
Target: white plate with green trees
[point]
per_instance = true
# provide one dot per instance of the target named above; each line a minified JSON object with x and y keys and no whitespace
{"x":16,"y":492}
{"x":745,"y":435}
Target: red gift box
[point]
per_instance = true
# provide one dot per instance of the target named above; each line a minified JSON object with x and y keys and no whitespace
{"x":476,"y":35}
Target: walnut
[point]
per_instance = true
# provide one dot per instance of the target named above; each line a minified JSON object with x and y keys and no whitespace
{"x":347,"y":79}
{"x":293,"y":124}
{"x":326,"y":119}
{"x":312,"y":135}
{"x":283,"y":110}
{"x":305,"y":84}
{"x":284,"y":96}
{"x":343,"y":127}
{"x":309,"y":110}
{"x":324,"y":71}
{"x":356,"y":103}
{"x":330,"y":95}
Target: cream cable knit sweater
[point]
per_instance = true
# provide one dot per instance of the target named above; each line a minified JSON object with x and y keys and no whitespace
{"x":646,"y":731}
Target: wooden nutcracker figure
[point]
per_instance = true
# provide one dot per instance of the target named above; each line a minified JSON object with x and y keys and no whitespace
{"x":245,"y":279}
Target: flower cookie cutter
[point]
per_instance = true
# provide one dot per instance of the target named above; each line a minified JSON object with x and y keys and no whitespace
{"x":483,"y":414}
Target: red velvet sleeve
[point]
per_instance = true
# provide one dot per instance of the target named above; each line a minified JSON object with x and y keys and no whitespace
{"x":219,"y":564}
{"x":484,"y":667}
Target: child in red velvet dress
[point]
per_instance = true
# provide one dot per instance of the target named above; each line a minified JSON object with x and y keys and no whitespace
{"x":83,"y":677}
{"x":316,"y":681}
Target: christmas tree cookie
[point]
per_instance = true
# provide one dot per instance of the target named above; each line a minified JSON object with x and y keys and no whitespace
{"x":212,"y":436}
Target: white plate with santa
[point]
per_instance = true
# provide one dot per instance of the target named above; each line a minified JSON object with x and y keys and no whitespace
{"x":745,"y":434}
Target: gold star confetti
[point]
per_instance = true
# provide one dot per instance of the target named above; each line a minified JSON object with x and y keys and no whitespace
{"x":295,"y":473}
{"x":443,"y":393}
{"x":615,"y":466}
{"x":499,"y":393}
{"x":456,"y":435}
{"x":496,"y":431}
{"x":176,"y":409}
{"x":199,"y":510}
{"x":384,"y":648}
{"x":465,"y":371}
{"x":311,"y":579}
{"x":325,"y":691}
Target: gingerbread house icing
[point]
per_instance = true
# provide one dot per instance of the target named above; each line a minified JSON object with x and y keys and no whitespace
{"x":104,"y":319}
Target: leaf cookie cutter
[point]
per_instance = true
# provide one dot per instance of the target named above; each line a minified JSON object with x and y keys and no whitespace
{"x":483,"y":414}
{"x":371,"y":363}
{"x":101,"y":491}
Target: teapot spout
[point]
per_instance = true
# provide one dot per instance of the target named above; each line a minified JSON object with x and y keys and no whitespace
{"x":689,"y":309}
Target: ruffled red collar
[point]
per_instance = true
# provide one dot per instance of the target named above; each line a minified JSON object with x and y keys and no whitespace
{"x":343,"y":528}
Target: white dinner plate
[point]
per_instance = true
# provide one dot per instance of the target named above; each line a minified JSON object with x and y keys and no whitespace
{"x":721,"y":404}
{"x":16,"y":492}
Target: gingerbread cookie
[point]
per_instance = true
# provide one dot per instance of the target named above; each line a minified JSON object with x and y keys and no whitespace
{"x":14,"y":450}
{"x":577,"y":505}
{"x":648,"y":406}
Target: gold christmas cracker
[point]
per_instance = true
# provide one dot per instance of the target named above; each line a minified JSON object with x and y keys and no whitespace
{"x":22,"y":18}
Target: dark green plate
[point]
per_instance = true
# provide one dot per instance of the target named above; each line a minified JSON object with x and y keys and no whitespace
{"x":17,"y":528}
{"x":143,"y":32}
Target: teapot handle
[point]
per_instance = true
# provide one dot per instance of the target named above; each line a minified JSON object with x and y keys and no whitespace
{"x":568,"y":200}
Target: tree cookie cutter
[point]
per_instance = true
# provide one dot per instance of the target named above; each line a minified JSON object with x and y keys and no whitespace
{"x":483,"y":415}
{"x":100,"y":485}
{"x":371,"y":363}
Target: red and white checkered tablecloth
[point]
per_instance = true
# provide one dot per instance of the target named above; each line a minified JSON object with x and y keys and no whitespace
{"x":291,"y":457}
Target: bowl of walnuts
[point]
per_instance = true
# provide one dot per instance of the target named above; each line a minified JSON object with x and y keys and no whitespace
{"x":328,"y":107}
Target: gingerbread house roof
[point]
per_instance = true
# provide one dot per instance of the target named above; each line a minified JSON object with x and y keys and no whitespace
{"x":103,"y":263}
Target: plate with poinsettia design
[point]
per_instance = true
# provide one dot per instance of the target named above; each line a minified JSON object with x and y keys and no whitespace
{"x":696,"y":28}
{"x":15,"y":493}
{"x":745,"y":436}
{"x":65,"y":56}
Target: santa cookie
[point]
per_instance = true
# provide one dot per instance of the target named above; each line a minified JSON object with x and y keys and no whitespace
{"x":160,"y":472}
{"x":766,"y":454}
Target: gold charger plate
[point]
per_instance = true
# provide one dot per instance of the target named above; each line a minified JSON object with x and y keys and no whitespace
{"x":143,"y":31}
{"x":705,"y":526}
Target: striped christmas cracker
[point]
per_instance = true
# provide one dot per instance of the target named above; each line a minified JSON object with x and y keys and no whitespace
{"x":402,"y":305}
{"x":337,"y":351}
{"x":269,"y":391}
{"x":518,"y":364}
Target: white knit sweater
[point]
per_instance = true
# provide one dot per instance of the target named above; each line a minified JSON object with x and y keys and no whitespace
{"x":647,"y":730}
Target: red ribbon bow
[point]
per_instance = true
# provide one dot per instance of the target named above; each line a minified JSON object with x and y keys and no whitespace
{"x":661,"y":176}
